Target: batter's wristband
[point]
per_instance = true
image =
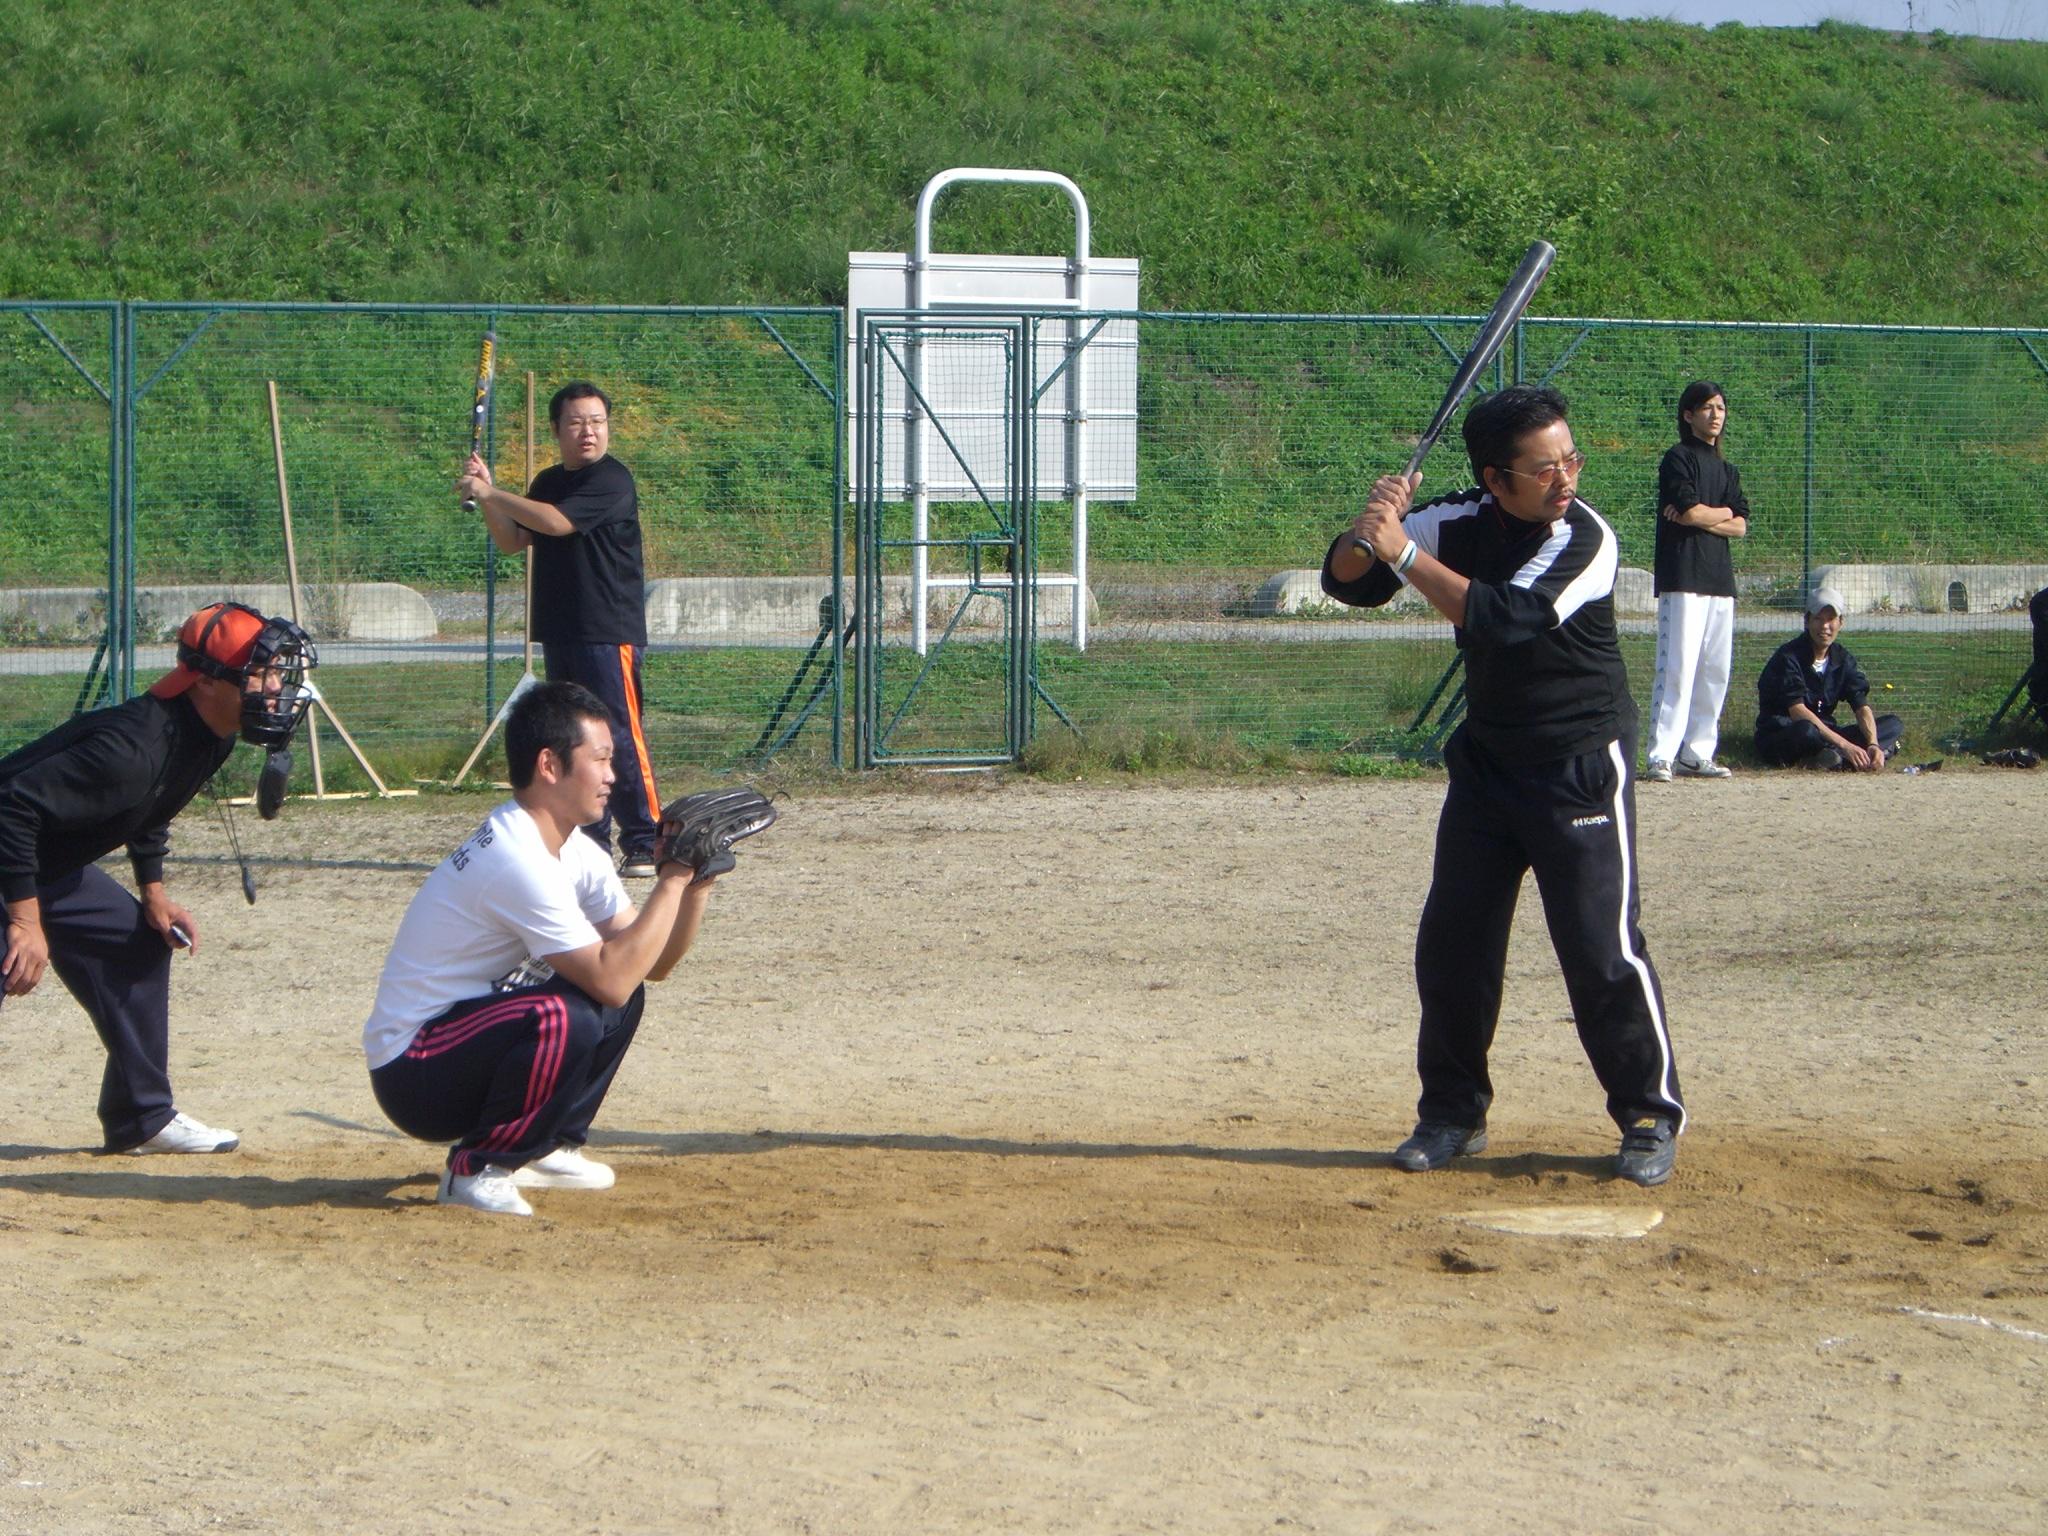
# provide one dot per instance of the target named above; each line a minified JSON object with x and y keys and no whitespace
{"x":1406,"y":559}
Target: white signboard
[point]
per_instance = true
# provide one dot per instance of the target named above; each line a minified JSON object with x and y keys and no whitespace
{"x":963,"y":377}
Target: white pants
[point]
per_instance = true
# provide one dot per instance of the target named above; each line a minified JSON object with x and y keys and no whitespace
{"x":1695,"y":645}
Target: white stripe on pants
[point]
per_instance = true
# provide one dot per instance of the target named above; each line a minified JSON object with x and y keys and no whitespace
{"x":1695,"y":645}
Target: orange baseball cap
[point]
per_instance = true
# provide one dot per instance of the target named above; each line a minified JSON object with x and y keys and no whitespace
{"x":224,"y":633}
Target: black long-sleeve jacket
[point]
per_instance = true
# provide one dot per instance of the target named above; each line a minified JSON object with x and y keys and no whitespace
{"x":1544,"y":677}
{"x":102,"y":780}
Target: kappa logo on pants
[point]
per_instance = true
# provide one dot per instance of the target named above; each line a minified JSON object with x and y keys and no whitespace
{"x":1602,"y":820}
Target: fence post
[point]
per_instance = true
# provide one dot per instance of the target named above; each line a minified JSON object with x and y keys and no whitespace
{"x":1806,"y":547}
{"x":124,"y":630}
{"x":840,"y":341}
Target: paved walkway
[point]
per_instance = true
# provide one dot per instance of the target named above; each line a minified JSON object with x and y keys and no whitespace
{"x":30,"y":661}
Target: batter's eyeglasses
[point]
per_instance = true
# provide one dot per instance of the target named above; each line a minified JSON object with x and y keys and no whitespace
{"x":1546,"y":474}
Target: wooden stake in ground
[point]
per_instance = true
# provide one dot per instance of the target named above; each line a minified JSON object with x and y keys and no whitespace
{"x":291,"y":560}
{"x":527,"y":679}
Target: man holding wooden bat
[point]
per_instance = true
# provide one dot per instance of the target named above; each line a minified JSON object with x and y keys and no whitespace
{"x":1541,"y":773}
{"x":581,"y":519}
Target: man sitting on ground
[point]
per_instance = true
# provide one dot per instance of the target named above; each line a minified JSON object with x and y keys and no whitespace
{"x":1799,"y":688}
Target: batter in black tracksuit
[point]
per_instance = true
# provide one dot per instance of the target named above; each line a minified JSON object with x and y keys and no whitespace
{"x":102,"y":780}
{"x":1540,"y":778}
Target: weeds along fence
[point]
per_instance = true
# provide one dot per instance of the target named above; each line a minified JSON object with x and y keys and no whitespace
{"x":1901,"y":463}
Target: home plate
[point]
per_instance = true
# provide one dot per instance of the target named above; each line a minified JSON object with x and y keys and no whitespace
{"x":1563,"y":1220}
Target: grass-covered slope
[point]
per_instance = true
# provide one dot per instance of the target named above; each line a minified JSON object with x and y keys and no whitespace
{"x":1313,"y":155}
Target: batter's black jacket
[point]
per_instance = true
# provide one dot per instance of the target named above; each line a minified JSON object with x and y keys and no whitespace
{"x":1692,"y":559}
{"x":102,"y":780}
{"x":1544,"y":677}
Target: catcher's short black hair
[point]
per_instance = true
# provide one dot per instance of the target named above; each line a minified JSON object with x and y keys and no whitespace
{"x":1497,"y":423}
{"x":548,"y":715}
{"x":1697,"y":394}
{"x":575,"y":389}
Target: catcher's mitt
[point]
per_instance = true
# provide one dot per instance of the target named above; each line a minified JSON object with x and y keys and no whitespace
{"x":699,"y":830}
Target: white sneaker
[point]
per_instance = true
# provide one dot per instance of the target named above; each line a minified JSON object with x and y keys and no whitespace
{"x":1657,"y":772}
{"x":1706,"y":769}
{"x":184,"y":1134}
{"x":489,"y":1189}
{"x":565,"y":1168}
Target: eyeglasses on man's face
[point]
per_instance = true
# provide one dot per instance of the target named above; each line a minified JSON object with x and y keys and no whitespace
{"x":1547,"y":474}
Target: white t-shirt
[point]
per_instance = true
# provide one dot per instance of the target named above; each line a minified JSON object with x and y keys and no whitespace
{"x":496,"y":902}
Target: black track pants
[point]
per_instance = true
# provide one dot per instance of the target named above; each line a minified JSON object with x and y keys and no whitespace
{"x":613,"y":673}
{"x":1573,"y":822}
{"x":510,"y":1076}
{"x":1782,"y":741}
{"x":119,"y":969}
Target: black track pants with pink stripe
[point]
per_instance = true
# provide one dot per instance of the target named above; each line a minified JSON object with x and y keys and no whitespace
{"x":1573,"y":822}
{"x":509,"y":1077}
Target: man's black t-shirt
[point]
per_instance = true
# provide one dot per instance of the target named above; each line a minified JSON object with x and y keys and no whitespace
{"x":1693,"y":559}
{"x":589,"y":586}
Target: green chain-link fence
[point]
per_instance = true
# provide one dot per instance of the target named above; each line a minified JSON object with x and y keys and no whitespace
{"x":59,"y":380}
{"x":139,"y":440}
{"x":1895,"y":463}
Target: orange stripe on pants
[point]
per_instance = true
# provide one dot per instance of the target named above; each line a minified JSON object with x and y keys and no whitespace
{"x":632,"y":692}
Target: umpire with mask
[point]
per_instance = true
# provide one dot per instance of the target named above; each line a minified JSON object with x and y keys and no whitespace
{"x":1541,"y":774}
{"x":116,"y":777}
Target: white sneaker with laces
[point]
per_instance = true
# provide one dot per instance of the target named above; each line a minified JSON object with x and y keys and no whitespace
{"x":1657,"y":772}
{"x":489,"y":1189}
{"x":184,"y":1134}
{"x":1685,"y":768}
{"x":565,"y":1168}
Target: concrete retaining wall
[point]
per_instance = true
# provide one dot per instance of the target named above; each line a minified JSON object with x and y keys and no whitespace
{"x":1291,"y":591}
{"x":364,"y":610}
{"x":1933,"y":588}
{"x":711,"y":609}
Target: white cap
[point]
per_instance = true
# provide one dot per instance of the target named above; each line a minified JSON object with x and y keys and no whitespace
{"x":1825,"y":597}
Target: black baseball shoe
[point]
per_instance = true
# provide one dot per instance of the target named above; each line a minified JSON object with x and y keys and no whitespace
{"x":637,"y":864}
{"x":1434,"y":1144}
{"x":1648,"y":1148}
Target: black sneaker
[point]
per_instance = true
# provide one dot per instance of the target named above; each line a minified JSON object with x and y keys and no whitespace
{"x":637,"y":865}
{"x":1648,"y":1148}
{"x":1434,"y":1144}
{"x":1826,"y":760}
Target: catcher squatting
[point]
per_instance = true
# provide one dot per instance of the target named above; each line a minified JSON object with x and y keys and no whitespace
{"x":516,"y":980}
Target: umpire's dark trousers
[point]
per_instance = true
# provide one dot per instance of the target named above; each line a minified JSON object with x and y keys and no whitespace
{"x":1571,"y":820}
{"x":612,"y":672}
{"x":119,"y":969}
{"x":510,"y":1076}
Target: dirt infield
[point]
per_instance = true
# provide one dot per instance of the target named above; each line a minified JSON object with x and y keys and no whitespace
{"x":1012,"y":1158}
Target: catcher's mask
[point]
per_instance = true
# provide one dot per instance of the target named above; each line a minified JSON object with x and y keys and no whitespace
{"x":267,"y":658}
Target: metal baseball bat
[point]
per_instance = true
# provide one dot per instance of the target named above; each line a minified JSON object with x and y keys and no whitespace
{"x":1506,"y":311}
{"x":482,"y":409}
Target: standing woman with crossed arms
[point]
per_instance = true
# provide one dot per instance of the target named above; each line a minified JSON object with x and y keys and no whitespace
{"x":1702,"y":507}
